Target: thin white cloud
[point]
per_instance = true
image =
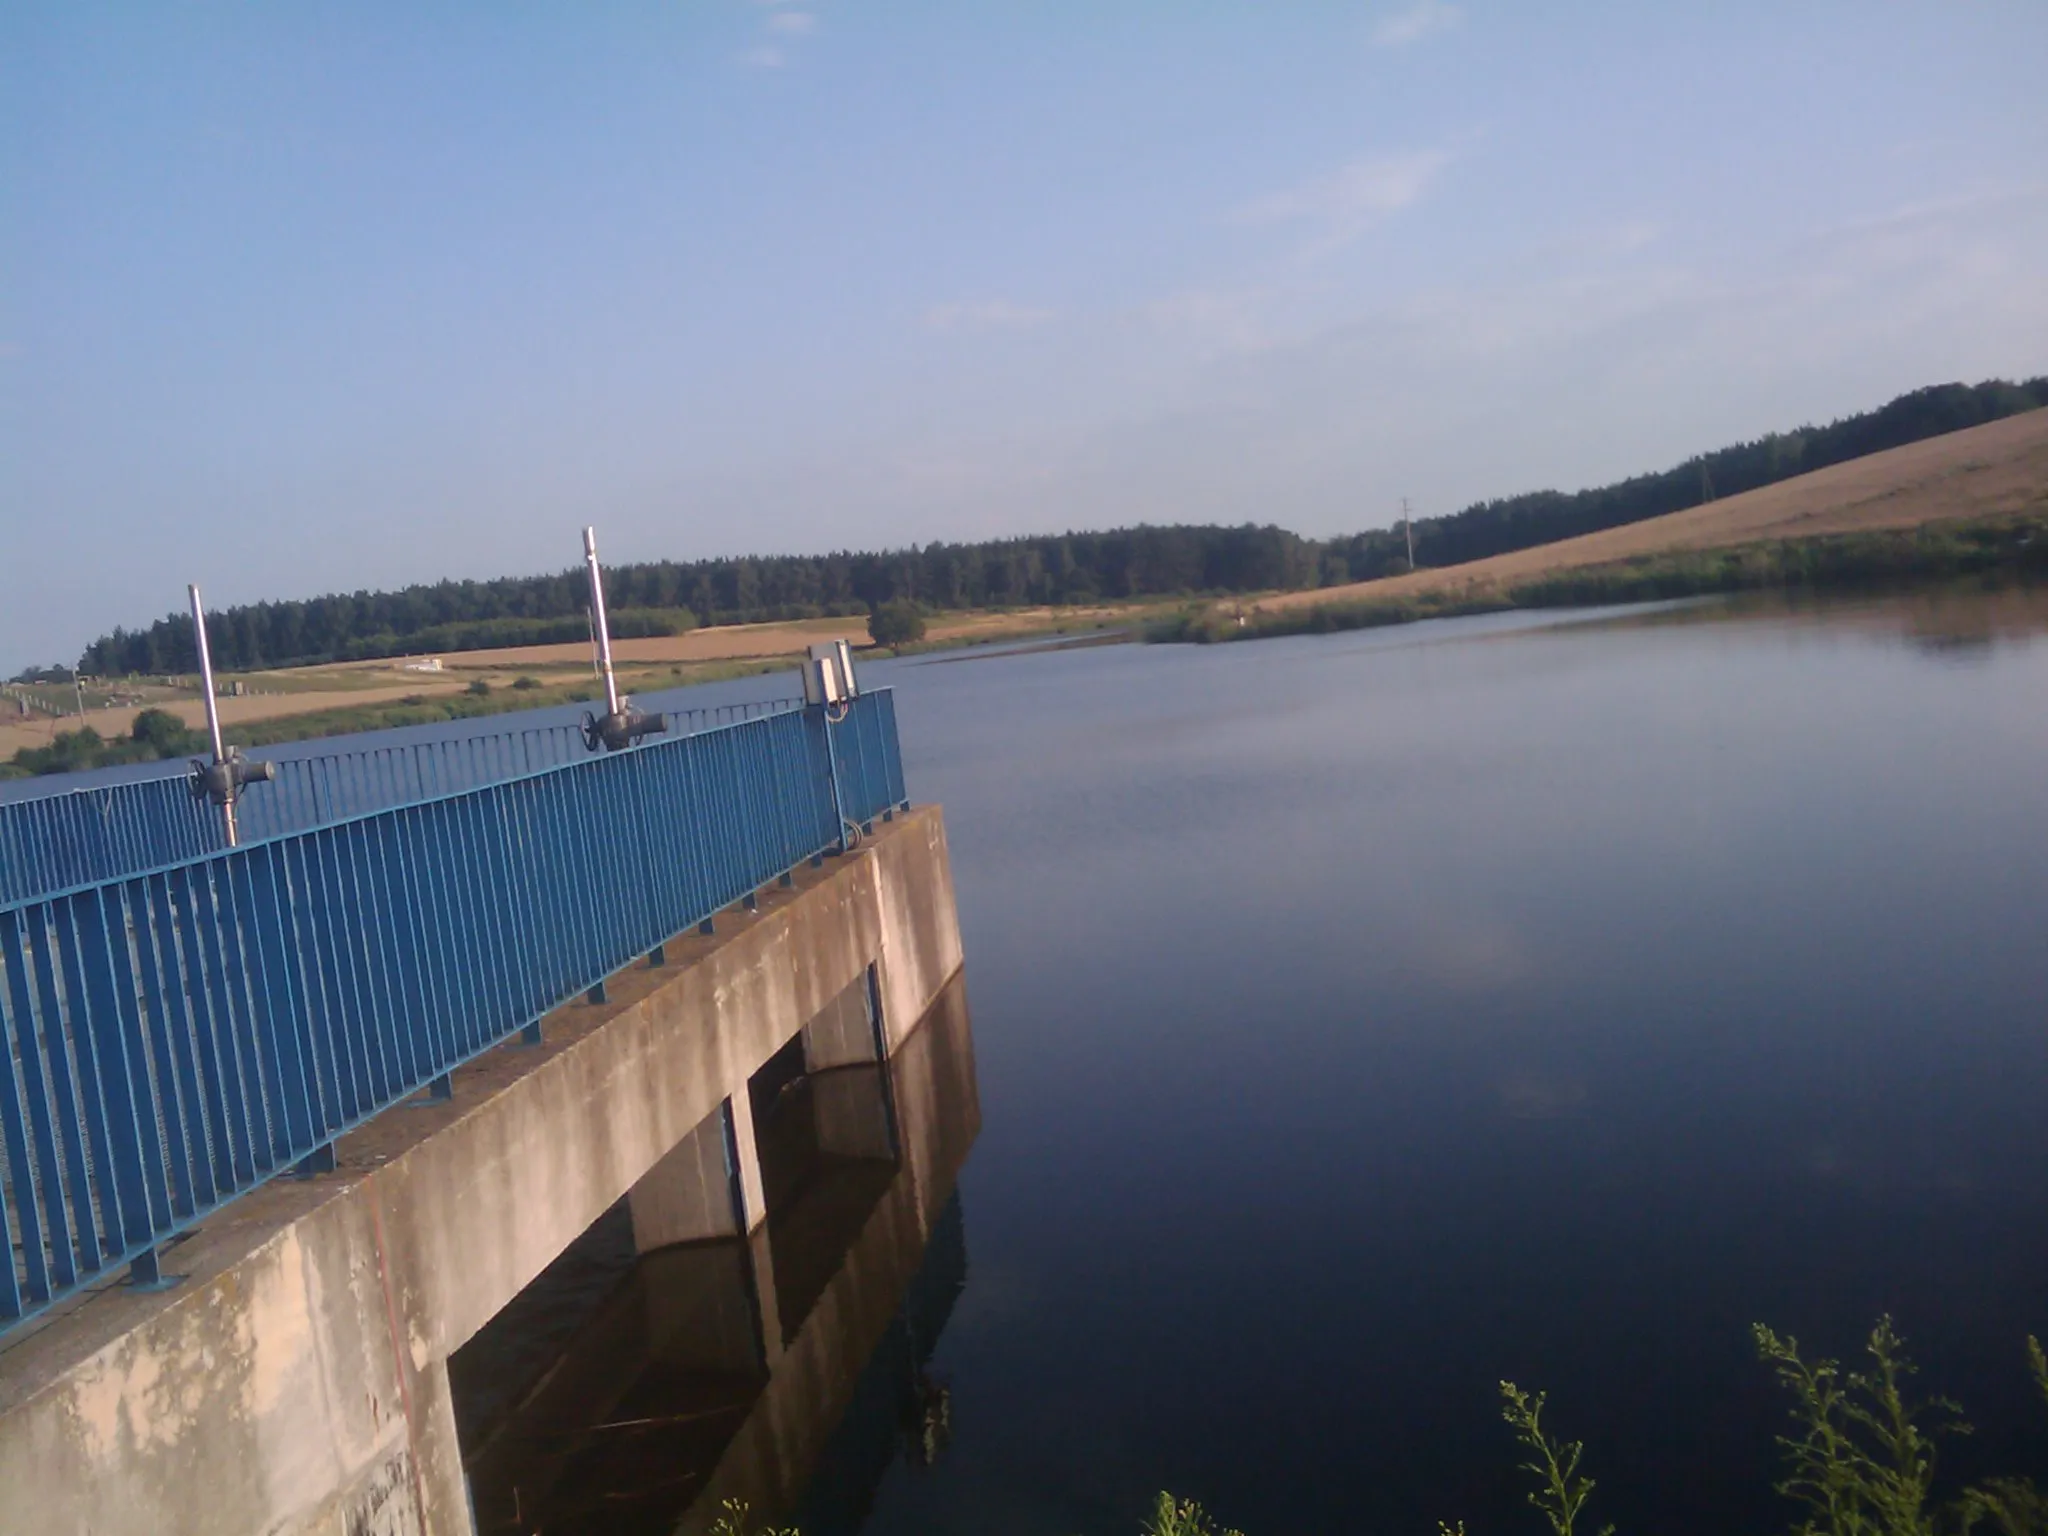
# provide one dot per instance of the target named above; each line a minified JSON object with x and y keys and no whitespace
{"x":985,"y":315}
{"x":1213,"y":320}
{"x":1364,"y":190}
{"x":1964,"y":205}
{"x":1416,"y":23}
{"x":782,"y":31}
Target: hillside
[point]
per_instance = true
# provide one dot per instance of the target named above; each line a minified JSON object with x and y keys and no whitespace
{"x":1995,"y":470}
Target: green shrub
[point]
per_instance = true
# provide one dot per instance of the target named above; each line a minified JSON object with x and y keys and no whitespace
{"x":1561,"y":1492}
{"x":1859,"y":1462}
{"x":896,"y":623}
{"x":733,"y":1522}
{"x":1180,"y":1517}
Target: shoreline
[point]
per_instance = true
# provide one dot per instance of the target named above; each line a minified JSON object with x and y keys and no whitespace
{"x":1886,"y":561}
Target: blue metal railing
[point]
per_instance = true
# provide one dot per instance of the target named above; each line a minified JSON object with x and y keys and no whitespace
{"x":866,"y":758}
{"x":80,"y":836}
{"x":171,"y":1038}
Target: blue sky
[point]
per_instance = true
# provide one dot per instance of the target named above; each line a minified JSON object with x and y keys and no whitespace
{"x":298,"y":298}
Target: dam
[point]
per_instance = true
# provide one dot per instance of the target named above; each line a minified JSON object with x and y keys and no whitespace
{"x":742,"y":1110}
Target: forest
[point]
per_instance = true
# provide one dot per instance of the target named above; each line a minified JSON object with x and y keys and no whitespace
{"x":1145,"y":561}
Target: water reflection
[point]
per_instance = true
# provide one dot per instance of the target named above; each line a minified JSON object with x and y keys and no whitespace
{"x":628,"y":1395}
{"x":1959,"y":621}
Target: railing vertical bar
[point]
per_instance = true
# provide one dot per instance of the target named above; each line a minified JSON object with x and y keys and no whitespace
{"x":30,"y":1035}
{"x":83,"y":1250}
{"x":410,"y":946}
{"x":179,"y":1185}
{"x":451,"y":965}
{"x":196,"y":1104}
{"x":316,"y":917}
{"x":101,"y":1211}
{"x":17,"y":1041}
{"x":483,"y":815}
{"x":203,"y":925}
{"x":464,"y":961}
{"x":288,"y":1080}
{"x":367,"y":969}
{"x":249,"y":1018}
{"x":359,"y":972}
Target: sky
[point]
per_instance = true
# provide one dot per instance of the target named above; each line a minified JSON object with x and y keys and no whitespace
{"x":304,"y":298}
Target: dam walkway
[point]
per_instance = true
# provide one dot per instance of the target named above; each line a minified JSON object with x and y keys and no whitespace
{"x":175,"y":1031}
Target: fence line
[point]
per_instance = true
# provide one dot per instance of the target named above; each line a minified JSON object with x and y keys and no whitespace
{"x":76,"y":837}
{"x":173,"y":1037}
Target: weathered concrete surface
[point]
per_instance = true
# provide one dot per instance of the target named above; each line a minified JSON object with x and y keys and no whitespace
{"x":851,"y":1120}
{"x":844,"y":1034}
{"x":688,"y":1196}
{"x":665,"y":1401}
{"x":771,"y":1457}
{"x":296,"y":1381}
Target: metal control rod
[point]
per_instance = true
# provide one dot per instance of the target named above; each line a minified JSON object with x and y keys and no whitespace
{"x":621,"y":726}
{"x":206,"y":671}
{"x":604,"y":633}
{"x":212,"y":703}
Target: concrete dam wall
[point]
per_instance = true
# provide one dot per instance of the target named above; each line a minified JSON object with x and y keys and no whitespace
{"x":295,"y":1377}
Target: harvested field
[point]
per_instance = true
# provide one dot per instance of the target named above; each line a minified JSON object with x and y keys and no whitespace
{"x":1997,"y":469}
{"x":731,"y":642}
{"x":111,"y":723}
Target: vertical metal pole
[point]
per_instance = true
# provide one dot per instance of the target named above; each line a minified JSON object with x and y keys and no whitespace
{"x":604,"y":633}
{"x":832,"y":762}
{"x":212,"y":703}
{"x":1408,"y":522}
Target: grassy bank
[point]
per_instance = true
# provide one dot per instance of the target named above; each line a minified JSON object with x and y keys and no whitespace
{"x":1203,"y":624}
{"x":1875,"y":561}
{"x":1135,"y":615}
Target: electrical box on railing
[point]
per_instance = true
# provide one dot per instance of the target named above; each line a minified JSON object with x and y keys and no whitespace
{"x":828,"y":674}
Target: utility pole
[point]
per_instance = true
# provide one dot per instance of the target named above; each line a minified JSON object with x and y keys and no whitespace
{"x":1408,"y":523}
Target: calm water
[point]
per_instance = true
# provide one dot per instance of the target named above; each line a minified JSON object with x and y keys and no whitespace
{"x":1364,"y":1019}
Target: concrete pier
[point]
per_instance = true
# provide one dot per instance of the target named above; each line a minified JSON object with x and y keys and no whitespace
{"x":677,"y":1391}
{"x":296,"y":1378}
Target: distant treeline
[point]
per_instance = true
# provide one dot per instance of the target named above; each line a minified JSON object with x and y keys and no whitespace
{"x":1069,"y":568}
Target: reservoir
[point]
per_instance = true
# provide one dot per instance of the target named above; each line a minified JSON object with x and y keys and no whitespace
{"x":1363,"y":1019}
